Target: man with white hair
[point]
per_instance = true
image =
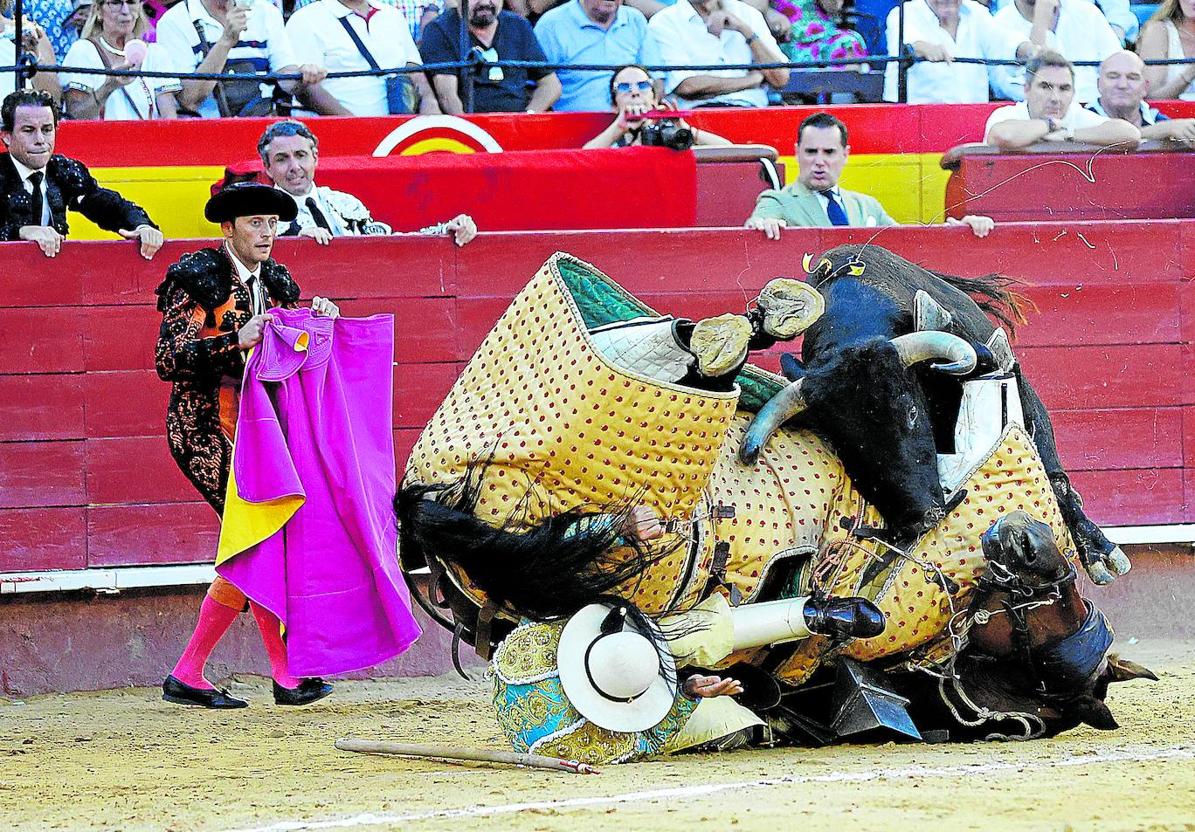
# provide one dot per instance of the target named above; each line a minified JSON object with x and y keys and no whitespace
{"x":1123,"y":87}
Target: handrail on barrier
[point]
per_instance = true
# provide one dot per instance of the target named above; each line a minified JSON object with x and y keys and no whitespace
{"x":952,"y":159}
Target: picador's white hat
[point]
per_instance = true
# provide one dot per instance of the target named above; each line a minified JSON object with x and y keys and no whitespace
{"x":611,"y":671}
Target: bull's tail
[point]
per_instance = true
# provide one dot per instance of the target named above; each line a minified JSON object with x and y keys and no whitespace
{"x":551,"y":570}
{"x":993,"y":293}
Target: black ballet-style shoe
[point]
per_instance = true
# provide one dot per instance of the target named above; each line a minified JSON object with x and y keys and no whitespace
{"x":843,"y":618}
{"x":308,"y":691}
{"x":183,"y":694}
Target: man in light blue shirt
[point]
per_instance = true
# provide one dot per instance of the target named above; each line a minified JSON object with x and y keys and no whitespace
{"x":593,"y":32}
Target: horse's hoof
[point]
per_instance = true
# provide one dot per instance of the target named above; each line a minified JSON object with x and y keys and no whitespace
{"x":1118,"y":561}
{"x":1099,"y":573}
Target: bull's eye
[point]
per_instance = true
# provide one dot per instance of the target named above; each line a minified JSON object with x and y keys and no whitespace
{"x":912,"y":417}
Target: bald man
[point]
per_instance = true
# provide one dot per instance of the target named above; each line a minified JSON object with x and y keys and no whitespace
{"x":1123,"y":87}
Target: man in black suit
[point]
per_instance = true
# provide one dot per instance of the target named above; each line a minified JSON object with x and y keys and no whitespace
{"x":37,"y":187}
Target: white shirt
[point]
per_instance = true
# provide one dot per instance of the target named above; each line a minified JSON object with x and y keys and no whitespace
{"x":264,"y":41}
{"x":251,"y":279}
{"x":938,"y":82}
{"x":318,"y":37}
{"x":305,"y":219}
{"x":8,"y":57}
{"x":1076,"y":117}
{"x":1117,"y":12}
{"x":25,"y":173}
{"x":1082,"y":34}
{"x":683,"y":39}
{"x":139,"y":97}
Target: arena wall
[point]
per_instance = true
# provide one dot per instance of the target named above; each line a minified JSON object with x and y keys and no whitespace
{"x":87,"y":483}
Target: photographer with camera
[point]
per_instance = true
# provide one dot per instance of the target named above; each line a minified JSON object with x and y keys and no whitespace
{"x":237,"y":36}
{"x":633,"y":96}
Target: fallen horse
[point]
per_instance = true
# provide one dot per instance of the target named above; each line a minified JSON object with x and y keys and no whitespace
{"x":598,"y":511}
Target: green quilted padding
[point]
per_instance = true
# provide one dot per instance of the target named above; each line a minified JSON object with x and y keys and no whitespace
{"x":602,"y":301}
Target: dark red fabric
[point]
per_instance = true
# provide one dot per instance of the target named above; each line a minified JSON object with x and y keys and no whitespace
{"x":646,"y":187}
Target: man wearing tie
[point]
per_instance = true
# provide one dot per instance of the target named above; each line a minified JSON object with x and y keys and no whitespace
{"x":37,"y":187}
{"x":290,"y":153}
{"x":815,"y":199}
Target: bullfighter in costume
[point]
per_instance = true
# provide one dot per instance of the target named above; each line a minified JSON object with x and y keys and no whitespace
{"x":214,"y":305}
{"x":608,"y":500}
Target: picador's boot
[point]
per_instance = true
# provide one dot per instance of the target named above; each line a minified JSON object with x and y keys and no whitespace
{"x":843,"y":618}
{"x":308,"y":691}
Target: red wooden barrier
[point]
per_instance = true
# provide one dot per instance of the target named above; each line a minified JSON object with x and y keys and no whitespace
{"x":86,"y":478}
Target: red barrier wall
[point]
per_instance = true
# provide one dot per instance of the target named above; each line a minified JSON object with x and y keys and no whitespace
{"x":86,"y":478}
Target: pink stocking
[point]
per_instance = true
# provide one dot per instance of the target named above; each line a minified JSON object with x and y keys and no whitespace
{"x":271,"y":636}
{"x":214,"y":620}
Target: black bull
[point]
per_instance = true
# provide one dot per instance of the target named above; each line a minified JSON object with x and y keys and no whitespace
{"x":886,"y":422}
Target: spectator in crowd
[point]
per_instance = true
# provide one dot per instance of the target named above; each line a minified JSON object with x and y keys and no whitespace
{"x":37,"y":43}
{"x":37,"y":187}
{"x":290,"y":153}
{"x":1170,"y":33}
{"x":940,"y":31}
{"x":1073,"y":28}
{"x":717,"y":32}
{"x":81,"y":10}
{"x":815,"y":32}
{"x":1118,"y":13}
{"x":320,"y":35}
{"x":1122,"y":95}
{"x":53,"y":17}
{"x":533,"y":10}
{"x":494,"y":35}
{"x":242,"y":35}
{"x":593,"y":32}
{"x":215,"y":306}
{"x":417,"y":13}
{"x":633,"y":93}
{"x":1049,"y":112}
{"x":815,"y":200}
{"x":110,"y":25}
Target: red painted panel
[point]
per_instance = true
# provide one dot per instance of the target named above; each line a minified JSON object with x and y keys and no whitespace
{"x":151,"y":534}
{"x":41,"y":340}
{"x":1189,"y":494}
{"x":1073,"y":186}
{"x":1043,"y":253}
{"x":120,"y":337}
{"x":1132,"y":497}
{"x":125,"y":403}
{"x":134,"y":470}
{"x":726,"y":192}
{"x":424,"y":328}
{"x":1130,"y":438}
{"x":41,"y":407}
{"x":1113,"y":376}
{"x":1188,"y":438}
{"x":404,"y":441}
{"x":42,"y":538}
{"x":1186,"y":301}
{"x":419,"y":389}
{"x":41,"y":474}
{"x":25,"y":280}
{"x":1085,"y":314}
{"x":372,"y":267}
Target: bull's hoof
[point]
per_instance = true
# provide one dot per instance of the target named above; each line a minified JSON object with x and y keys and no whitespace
{"x":720,"y":344}
{"x":843,"y":618}
{"x":1105,"y":568}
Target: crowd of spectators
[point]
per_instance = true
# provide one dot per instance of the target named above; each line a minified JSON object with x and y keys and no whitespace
{"x":310,"y":38}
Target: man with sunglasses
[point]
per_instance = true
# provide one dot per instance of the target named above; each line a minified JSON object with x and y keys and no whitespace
{"x":494,"y":34}
{"x":633,"y":94}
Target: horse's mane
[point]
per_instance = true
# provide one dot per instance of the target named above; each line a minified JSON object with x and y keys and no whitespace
{"x":993,"y":294}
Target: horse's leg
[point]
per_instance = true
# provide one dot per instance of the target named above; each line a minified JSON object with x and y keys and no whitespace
{"x":1102,"y":559}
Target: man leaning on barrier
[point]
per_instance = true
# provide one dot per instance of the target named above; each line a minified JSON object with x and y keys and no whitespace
{"x":1049,"y":112}
{"x":816,"y":201}
{"x":37,"y":187}
{"x":290,"y":153}
{"x":1123,"y":86}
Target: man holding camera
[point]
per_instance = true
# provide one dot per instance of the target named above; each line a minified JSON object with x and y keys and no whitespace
{"x":237,"y":36}
{"x":634,"y":98}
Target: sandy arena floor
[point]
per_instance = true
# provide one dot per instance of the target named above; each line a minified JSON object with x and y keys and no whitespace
{"x":125,"y":760}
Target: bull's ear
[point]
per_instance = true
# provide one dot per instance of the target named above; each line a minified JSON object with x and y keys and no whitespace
{"x":1095,"y":713}
{"x":1122,"y":670}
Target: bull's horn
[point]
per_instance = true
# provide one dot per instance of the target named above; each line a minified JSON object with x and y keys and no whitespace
{"x":922,"y":346}
{"x":779,"y":409}
{"x":929,"y":315}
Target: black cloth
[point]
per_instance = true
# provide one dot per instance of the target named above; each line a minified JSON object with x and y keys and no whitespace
{"x":68,"y":184}
{"x":317,"y":214}
{"x":514,"y":41}
{"x":36,"y":199}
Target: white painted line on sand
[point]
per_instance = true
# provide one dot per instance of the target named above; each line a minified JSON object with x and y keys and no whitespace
{"x":1128,"y":755}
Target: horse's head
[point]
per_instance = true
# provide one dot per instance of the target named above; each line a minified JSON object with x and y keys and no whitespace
{"x":1051,"y":642}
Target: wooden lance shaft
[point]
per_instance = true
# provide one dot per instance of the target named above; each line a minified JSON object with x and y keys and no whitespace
{"x":453,"y":753}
